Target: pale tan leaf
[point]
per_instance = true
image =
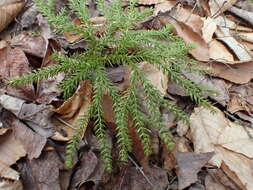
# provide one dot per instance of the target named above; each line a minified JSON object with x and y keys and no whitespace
{"x":155,"y":76}
{"x":215,"y":49}
{"x":225,"y":36}
{"x":231,"y":143}
{"x":208,"y":29}
{"x":9,"y":12}
{"x":6,"y":184}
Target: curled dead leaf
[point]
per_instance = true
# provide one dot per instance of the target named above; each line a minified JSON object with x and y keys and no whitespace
{"x":74,"y":107}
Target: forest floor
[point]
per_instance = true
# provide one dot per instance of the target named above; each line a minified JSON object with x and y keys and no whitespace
{"x":214,"y":152}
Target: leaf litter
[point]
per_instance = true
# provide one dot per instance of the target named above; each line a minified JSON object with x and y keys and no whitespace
{"x":213,"y":152}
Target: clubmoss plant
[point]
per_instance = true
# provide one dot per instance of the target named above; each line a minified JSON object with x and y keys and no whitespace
{"x":120,"y":43}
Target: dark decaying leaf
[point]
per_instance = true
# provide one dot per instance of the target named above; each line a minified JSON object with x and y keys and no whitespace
{"x":189,"y":164}
{"x":28,"y":18}
{"x":32,"y":142}
{"x":132,"y":179}
{"x":219,"y":176}
{"x":35,"y":116}
{"x":14,"y":63}
{"x":41,"y":173}
{"x":47,"y":90}
{"x":88,"y":167}
{"x":38,"y":118}
{"x":217,"y":85}
{"x":212,"y":184}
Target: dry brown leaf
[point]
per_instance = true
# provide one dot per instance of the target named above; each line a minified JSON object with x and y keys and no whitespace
{"x":238,"y":73}
{"x":247,"y":45}
{"x":215,"y":49}
{"x":231,"y":143}
{"x":189,"y":164}
{"x":241,"y":99}
{"x":14,"y":63}
{"x":201,"y":50}
{"x":75,"y":106}
{"x":42,"y":173}
{"x":8,"y":12}
{"x":186,"y":25}
{"x":10,"y":149}
{"x":155,"y":76}
{"x":217,"y":7}
{"x":187,"y":17}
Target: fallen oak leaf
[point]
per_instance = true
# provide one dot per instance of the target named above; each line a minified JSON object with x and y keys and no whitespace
{"x":8,"y":12}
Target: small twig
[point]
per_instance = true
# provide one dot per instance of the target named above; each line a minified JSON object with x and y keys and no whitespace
{"x":188,"y":18}
{"x":64,"y":122}
{"x":140,"y":169}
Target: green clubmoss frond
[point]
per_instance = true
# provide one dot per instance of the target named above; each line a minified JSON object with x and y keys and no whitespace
{"x":120,"y":43}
